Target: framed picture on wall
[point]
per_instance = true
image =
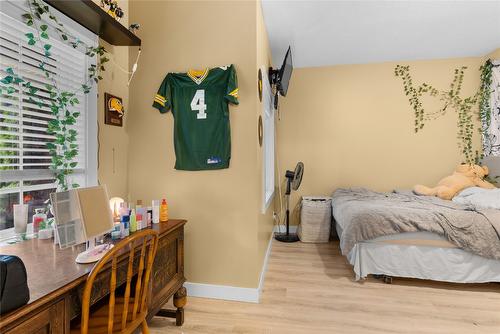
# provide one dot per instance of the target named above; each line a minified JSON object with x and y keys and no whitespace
{"x":113,"y":110}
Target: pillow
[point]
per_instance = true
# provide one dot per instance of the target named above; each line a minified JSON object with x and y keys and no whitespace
{"x":479,"y":198}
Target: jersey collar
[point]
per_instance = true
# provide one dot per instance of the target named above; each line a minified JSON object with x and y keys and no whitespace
{"x":198,"y":76}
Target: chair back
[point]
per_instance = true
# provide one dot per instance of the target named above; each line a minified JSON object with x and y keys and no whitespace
{"x":134,"y":315}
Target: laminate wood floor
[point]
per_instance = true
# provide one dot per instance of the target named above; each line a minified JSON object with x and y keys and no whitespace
{"x":309,"y":288}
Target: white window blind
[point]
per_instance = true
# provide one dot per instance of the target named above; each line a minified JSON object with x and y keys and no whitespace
{"x":25,"y":161}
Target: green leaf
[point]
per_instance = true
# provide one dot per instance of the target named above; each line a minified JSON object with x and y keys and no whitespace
{"x":47,"y":46}
{"x":10,"y":70}
{"x":73,"y":164}
{"x":10,"y":90}
{"x":27,"y":16}
{"x":43,"y":27}
{"x":64,"y":37}
{"x":44,"y":35}
{"x":31,"y":42}
{"x":29,"y":35}
{"x":7,"y":80}
{"x":75,"y":185}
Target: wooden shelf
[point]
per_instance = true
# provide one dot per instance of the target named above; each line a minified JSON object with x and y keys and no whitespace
{"x":93,"y":17}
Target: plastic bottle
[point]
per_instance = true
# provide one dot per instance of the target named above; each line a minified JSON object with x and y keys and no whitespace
{"x":125,"y":221}
{"x":149,"y":216}
{"x":163,"y":211}
{"x":156,"y":211}
{"x":139,"y":217}
{"x":39,"y":219}
{"x":133,"y":222}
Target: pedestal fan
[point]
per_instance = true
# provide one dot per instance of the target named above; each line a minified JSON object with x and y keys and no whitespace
{"x":293,"y":180}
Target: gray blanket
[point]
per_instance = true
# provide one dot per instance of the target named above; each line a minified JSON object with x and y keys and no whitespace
{"x":365,"y":215}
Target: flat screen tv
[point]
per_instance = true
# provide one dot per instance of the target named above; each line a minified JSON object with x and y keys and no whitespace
{"x":285,"y":73}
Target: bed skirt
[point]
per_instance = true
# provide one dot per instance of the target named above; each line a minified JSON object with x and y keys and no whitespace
{"x":394,"y":257}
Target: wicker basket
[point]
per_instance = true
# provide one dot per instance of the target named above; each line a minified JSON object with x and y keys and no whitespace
{"x":315,"y":219}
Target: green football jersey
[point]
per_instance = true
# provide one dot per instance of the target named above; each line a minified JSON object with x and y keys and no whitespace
{"x":199,"y":103}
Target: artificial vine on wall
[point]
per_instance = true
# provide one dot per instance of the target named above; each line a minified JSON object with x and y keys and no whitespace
{"x":466,"y":108}
{"x":64,"y":149}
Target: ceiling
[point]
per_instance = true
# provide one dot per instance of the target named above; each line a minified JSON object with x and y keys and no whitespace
{"x":324,"y":33}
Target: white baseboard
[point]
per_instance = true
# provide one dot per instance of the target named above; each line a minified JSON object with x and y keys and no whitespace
{"x":264,"y":264}
{"x":226,"y":292}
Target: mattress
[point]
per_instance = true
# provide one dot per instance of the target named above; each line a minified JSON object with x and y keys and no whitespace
{"x":421,"y":255}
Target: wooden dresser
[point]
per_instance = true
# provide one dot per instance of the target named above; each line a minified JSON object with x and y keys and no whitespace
{"x":56,"y":282}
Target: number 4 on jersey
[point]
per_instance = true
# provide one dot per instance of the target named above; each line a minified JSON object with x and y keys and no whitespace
{"x":198,"y":104}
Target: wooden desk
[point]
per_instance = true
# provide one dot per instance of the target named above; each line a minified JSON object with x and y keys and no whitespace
{"x":56,"y":282}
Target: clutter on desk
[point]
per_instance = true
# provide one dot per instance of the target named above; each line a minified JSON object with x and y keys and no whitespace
{"x":131,"y":219}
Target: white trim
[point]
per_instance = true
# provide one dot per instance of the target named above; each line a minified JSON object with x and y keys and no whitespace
{"x":264,"y":264}
{"x":91,"y":151}
{"x":225,"y":292}
{"x":268,"y":143}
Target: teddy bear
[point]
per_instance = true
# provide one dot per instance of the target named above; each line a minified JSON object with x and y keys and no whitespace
{"x":463,"y":177}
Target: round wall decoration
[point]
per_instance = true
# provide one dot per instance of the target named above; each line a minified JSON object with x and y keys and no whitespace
{"x":261,"y":131}
{"x":260,"y":85}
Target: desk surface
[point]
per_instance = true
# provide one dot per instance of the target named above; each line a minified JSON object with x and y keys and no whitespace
{"x":52,"y":271}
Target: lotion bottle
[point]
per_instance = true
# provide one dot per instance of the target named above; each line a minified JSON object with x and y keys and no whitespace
{"x":163,"y":211}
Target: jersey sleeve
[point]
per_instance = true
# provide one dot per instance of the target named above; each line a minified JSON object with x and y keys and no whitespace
{"x":232,"y":86}
{"x":163,"y":98}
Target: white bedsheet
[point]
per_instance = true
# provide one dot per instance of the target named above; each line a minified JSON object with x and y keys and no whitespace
{"x":416,"y":261}
{"x":479,"y":198}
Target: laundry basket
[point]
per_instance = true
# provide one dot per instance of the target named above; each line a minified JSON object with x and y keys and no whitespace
{"x":315,"y":219}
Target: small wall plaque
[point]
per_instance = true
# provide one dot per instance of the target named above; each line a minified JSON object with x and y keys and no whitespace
{"x":113,"y":110}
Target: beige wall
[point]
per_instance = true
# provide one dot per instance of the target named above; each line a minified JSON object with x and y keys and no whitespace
{"x":494,"y":55}
{"x":352,"y":126}
{"x":222,"y":206}
{"x":113,"y":140}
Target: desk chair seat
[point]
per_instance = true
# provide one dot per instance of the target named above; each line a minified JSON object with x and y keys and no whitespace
{"x":123,"y":314}
{"x":98,"y":321}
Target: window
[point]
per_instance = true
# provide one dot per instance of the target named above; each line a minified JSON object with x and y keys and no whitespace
{"x":25,"y":175}
{"x":268,"y":142}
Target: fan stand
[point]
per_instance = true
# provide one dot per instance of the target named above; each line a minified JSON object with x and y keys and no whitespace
{"x":287,"y":236}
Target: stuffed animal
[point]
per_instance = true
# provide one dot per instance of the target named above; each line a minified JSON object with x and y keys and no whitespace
{"x":463,"y":177}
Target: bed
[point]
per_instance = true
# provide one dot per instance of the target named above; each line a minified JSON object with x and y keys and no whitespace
{"x":400,"y":234}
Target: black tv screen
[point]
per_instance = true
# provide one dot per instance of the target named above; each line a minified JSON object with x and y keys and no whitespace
{"x":285,"y":73}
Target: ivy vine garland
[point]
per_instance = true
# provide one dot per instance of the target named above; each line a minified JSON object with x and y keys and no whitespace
{"x":467,"y":109}
{"x":64,"y":149}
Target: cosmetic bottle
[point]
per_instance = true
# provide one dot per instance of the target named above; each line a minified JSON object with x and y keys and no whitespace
{"x":125,"y":221}
{"x":149,"y":216}
{"x":163,"y":211}
{"x":156,"y":211}
{"x":133,"y":222}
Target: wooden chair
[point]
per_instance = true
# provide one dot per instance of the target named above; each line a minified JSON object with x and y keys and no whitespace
{"x":122,"y":314}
